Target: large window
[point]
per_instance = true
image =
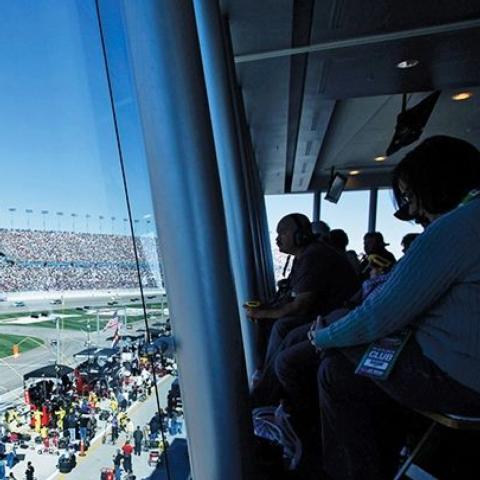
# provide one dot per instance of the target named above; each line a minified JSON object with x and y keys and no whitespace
{"x":349,"y":214}
{"x":71,"y":272}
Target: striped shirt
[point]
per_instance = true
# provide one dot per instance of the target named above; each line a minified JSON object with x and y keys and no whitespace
{"x":435,"y":288}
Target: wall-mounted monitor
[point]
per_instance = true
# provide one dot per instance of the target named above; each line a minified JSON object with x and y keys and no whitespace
{"x":336,"y":187}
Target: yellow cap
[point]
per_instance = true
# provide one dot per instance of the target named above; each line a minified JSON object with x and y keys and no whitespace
{"x":378,"y":261}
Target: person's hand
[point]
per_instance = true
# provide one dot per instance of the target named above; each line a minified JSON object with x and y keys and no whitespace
{"x":255,"y":313}
{"x":259,"y":314}
{"x":316,"y":325}
{"x":253,"y":309}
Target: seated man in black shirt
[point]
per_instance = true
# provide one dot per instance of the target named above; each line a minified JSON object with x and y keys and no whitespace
{"x":321,"y":279}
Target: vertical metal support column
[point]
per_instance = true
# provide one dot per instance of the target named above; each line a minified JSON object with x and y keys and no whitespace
{"x":317,"y":206}
{"x":229,"y":159}
{"x":188,"y":208}
{"x":372,"y":210}
{"x":256,"y":198}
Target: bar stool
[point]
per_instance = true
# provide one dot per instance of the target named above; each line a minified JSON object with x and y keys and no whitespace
{"x":409,"y":468}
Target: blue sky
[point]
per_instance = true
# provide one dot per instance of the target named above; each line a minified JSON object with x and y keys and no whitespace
{"x":58,"y":149}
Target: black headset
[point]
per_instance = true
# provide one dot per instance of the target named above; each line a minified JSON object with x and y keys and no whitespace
{"x":301,"y":236}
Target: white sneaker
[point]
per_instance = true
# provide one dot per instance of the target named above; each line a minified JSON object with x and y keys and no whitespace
{"x":292,"y":446}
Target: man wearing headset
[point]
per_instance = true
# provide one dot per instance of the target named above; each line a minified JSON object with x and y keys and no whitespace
{"x":320,"y":280}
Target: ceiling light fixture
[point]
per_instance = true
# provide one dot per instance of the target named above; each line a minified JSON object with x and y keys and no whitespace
{"x":380,"y":158}
{"x":354,"y":172}
{"x":408,"y":63}
{"x":462,"y":96}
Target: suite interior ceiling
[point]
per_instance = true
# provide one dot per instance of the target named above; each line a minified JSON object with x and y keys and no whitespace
{"x":338,"y":106}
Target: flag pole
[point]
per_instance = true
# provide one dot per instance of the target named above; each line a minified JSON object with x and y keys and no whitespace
{"x":98,"y":327}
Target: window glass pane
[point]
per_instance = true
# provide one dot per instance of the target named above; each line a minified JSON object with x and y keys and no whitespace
{"x":170,"y":423}
{"x":349,"y":214}
{"x":70,"y":271}
{"x":392,"y":228}
{"x":277,"y":207}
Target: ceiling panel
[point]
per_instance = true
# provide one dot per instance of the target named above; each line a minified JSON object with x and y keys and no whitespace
{"x":259,"y":24}
{"x":350,"y":95}
{"x":444,"y":63}
{"x":366,"y":125}
{"x":336,"y":19}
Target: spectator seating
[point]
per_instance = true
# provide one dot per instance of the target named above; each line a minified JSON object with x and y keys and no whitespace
{"x":39,"y":260}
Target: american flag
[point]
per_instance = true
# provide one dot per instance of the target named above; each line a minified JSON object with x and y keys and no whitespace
{"x":114,"y":322}
{"x":116,"y":338}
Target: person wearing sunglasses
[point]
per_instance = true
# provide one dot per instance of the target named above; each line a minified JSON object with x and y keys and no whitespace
{"x":433,"y":292}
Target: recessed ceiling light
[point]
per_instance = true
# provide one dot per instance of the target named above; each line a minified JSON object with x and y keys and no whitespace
{"x":380,"y":158}
{"x":354,"y":172}
{"x":408,"y":63}
{"x":462,"y":96}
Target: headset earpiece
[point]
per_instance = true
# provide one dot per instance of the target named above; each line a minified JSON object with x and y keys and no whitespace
{"x":300,"y":237}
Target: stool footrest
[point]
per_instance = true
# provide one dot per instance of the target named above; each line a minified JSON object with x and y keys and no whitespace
{"x":450,"y":420}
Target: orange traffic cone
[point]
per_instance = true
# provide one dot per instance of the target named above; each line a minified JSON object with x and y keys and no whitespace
{"x":82,"y":449}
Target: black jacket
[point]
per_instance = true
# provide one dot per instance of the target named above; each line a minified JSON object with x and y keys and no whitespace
{"x":117,"y":459}
{"x":138,"y":436}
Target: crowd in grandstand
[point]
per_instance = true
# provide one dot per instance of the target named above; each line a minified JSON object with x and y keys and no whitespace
{"x":37,"y":260}
{"x":68,"y":246}
{"x":52,"y":260}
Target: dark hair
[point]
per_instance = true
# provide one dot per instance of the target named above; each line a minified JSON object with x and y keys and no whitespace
{"x":338,"y":239}
{"x":303,"y":228}
{"x":408,"y":239}
{"x":321,"y":228}
{"x":439,"y":172}
{"x":301,"y":222}
{"x":377,"y":236}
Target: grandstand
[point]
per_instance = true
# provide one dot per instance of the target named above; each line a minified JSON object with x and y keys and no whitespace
{"x":51,"y":260}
